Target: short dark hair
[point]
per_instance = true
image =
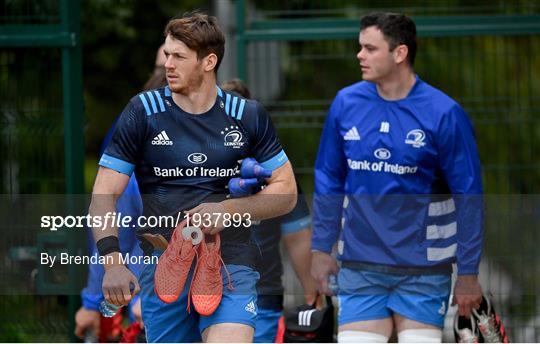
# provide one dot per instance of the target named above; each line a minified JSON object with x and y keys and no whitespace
{"x":397,"y":29}
{"x":200,"y":32}
{"x":238,"y":86}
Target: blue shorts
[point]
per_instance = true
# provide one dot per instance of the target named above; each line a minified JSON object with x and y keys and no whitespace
{"x":366,"y":295}
{"x":266,"y":325}
{"x":172,"y":323}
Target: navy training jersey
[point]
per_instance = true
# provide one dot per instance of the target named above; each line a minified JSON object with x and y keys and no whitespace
{"x":182,"y":160}
{"x":411,"y":173}
{"x":268,"y":262}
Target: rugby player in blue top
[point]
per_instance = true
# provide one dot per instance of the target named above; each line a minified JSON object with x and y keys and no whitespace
{"x":184,"y":142}
{"x":398,"y":161}
{"x":129,"y":203}
{"x":87,"y":317}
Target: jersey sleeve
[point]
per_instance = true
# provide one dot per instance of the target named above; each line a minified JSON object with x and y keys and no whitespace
{"x":266,"y":147}
{"x":299,"y":218}
{"x":122,"y":153}
{"x":330,"y":174}
{"x":460,"y":164}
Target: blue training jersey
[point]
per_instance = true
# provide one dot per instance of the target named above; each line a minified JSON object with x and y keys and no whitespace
{"x":410,"y":172}
{"x":182,"y":160}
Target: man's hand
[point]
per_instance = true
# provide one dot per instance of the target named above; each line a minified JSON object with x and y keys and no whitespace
{"x":322,"y":266}
{"x":298,"y":246}
{"x":116,"y":285}
{"x":85,"y":320}
{"x":467,"y":294}
{"x":210,"y":218}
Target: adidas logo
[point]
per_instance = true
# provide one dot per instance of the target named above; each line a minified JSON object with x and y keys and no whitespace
{"x":162,"y":140}
{"x":352,"y":135}
{"x":442,"y":310}
{"x":251,"y":308}
{"x":304,"y":317}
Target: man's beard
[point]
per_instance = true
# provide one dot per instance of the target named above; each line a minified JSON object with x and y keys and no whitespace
{"x":185,"y":88}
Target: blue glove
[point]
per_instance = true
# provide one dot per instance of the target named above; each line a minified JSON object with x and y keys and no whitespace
{"x":252,"y":169}
{"x":239,"y":187}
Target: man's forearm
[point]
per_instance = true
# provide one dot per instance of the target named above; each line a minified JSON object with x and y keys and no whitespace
{"x":101,"y":208}
{"x":298,"y":247}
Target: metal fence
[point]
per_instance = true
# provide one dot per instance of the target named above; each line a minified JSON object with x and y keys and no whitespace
{"x":41,"y":146}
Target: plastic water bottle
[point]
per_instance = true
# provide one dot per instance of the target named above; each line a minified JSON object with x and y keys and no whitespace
{"x":90,"y":337}
{"x":108,"y":310}
{"x":333,"y":285}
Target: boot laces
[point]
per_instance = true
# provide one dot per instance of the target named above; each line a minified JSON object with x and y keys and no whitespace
{"x":191,"y":283}
{"x":489,"y":330}
{"x":215,"y":283}
{"x":488,"y":327}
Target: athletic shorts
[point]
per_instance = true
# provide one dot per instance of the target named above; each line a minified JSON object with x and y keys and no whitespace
{"x":367,"y":295}
{"x":172,"y":323}
{"x":266,"y":325}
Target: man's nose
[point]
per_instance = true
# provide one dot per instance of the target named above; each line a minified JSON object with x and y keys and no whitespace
{"x":168,"y":63}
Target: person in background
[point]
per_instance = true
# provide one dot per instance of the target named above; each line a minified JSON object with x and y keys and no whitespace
{"x":88,"y":318}
{"x":157,"y":78}
{"x":295,"y":230}
{"x":398,"y":161}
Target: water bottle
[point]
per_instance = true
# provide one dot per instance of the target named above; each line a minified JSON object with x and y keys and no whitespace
{"x":90,"y":337}
{"x":108,"y":310}
{"x":333,"y":285}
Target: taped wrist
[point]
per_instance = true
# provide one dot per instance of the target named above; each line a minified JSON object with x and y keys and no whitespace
{"x":108,"y":245}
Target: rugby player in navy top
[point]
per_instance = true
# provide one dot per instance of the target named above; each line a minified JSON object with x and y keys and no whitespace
{"x":398,"y":161}
{"x":184,"y":142}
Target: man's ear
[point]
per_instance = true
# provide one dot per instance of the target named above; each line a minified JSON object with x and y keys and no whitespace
{"x":210,"y":62}
{"x":400,"y":53}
